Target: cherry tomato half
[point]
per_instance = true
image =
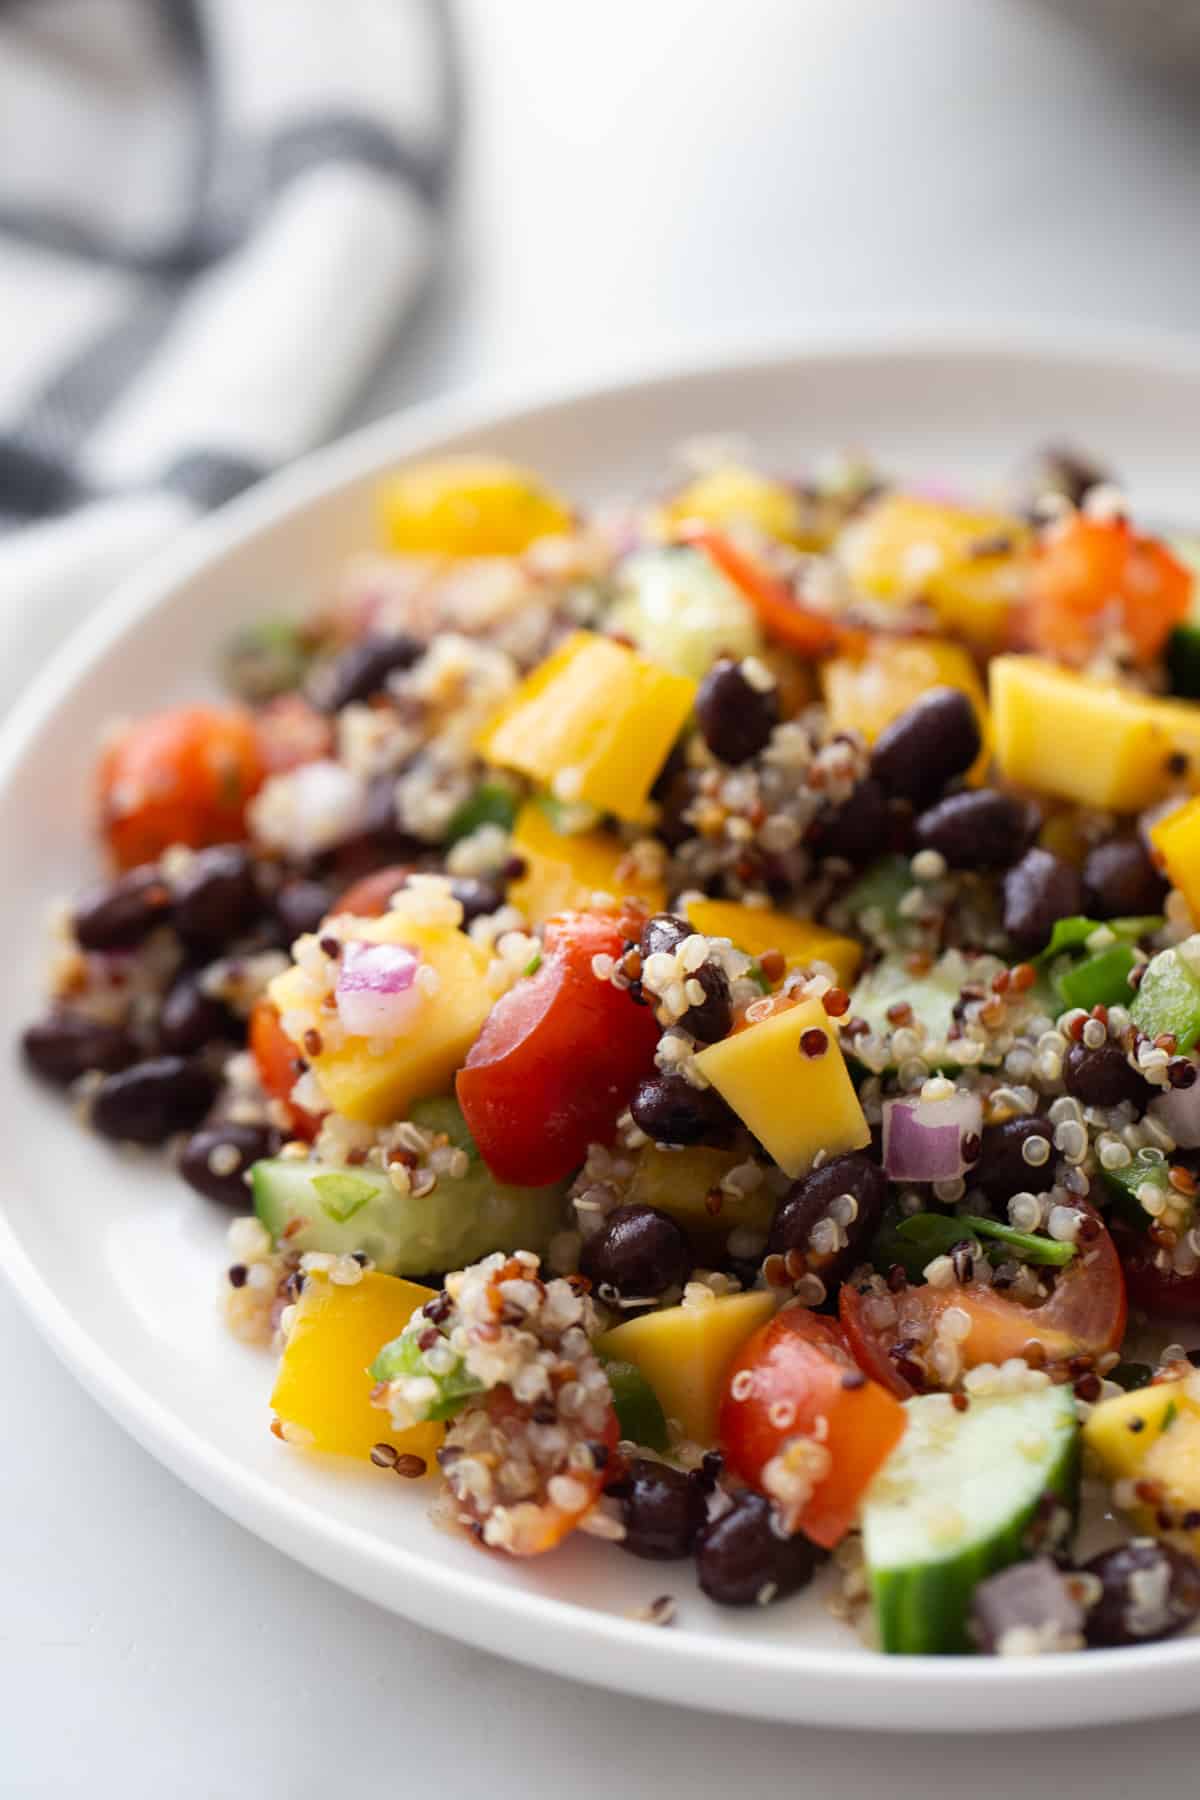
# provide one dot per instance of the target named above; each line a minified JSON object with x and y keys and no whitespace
{"x":1084,"y":1316}
{"x":181,"y":777}
{"x":370,"y":896}
{"x":1088,"y":568}
{"x":795,"y":1379}
{"x":277,"y":1060}
{"x":557,"y":1059}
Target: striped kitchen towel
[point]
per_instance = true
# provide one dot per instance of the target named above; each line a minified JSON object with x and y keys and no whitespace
{"x":214,"y":216}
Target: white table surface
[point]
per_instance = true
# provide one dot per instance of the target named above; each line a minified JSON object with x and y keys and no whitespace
{"x":636,"y":175}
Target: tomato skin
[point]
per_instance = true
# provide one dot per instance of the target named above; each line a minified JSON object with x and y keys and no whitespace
{"x":1084,"y":1316}
{"x":557,"y":1059}
{"x":1084,"y":566}
{"x":1163,"y":1296}
{"x":802,"y":1359}
{"x":781,"y":615}
{"x":291,"y":732}
{"x":276,"y":1057}
{"x":370,"y":896}
{"x":179,"y":777}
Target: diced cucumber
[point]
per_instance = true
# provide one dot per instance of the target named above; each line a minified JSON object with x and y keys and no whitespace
{"x":1168,"y":999}
{"x":932,"y":996}
{"x":344,"y":1210}
{"x":880,"y":890}
{"x":452,"y":1386}
{"x":955,"y":1501}
{"x":681,"y":612}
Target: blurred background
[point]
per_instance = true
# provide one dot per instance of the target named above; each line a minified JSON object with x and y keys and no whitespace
{"x":642,"y":177}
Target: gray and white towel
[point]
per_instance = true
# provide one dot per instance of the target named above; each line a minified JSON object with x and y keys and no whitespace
{"x":214,"y":216}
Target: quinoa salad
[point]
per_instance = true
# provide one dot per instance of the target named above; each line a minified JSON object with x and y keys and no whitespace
{"x":692,"y":1008}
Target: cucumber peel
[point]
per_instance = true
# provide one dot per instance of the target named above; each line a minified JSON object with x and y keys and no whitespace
{"x":955,"y":1502}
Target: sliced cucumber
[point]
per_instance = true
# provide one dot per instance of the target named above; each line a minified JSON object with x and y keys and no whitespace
{"x":344,"y":1210}
{"x":954,"y":1502}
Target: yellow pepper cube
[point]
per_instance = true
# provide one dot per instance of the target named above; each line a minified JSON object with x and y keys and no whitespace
{"x":1152,"y":1434}
{"x":866,"y":693}
{"x":1177,"y":840}
{"x":787,"y":1081}
{"x":733,"y":495}
{"x":323,"y":1390}
{"x":683,"y":1183}
{"x":755,"y":929}
{"x":564,"y":869}
{"x":376,"y":1083}
{"x":1061,"y":733}
{"x":970,"y":566}
{"x":468,"y":506}
{"x":594,"y":723}
{"x":685,"y":1351}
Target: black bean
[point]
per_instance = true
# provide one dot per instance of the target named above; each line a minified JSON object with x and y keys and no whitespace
{"x":662,"y":1509}
{"x":477,"y":898}
{"x":65,"y":1045}
{"x":638,"y":1253}
{"x":149,"y":1102}
{"x":735,"y":717}
{"x":249,"y":1143}
{"x":189,"y":1019}
{"x":120,"y":915}
{"x":982,"y":829}
{"x":858,"y":829}
{"x":1059,"y":469}
{"x":1039,"y":890}
{"x":300,"y":906}
{"x":1121,"y":882}
{"x":712,"y":1018}
{"x":927,"y":746}
{"x":1102,"y":1077}
{"x":1148,"y":1590}
{"x":216,"y":898}
{"x":663,"y":933}
{"x":676,"y":799}
{"x":1031,"y":1596}
{"x":1002,"y":1170}
{"x":810,"y":1198}
{"x":671,"y":1111}
{"x":741,"y":1560}
{"x":363,"y":670}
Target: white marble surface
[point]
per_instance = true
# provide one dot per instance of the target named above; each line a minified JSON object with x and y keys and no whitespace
{"x":635,"y":176}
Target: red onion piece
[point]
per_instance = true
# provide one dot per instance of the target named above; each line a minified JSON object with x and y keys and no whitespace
{"x":377,"y":991}
{"x":1179,"y":1110}
{"x":923,"y":1139}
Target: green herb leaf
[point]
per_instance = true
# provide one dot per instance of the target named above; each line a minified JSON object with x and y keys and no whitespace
{"x":1100,"y":980}
{"x":534,"y":964}
{"x":341,"y":1196}
{"x":914,"y":1242}
{"x":1029,"y":1248}
{"x":490,"y":804}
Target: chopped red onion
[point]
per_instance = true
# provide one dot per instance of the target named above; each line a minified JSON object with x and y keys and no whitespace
{"x":377,"y":991}
{"x":923,"y":1140}
{"x":1178,"y":1108}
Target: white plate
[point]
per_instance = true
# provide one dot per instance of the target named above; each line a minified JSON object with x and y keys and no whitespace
{"x":118,"y":1263}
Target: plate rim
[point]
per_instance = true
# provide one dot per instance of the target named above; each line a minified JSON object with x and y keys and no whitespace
{"x":476,"y":1607}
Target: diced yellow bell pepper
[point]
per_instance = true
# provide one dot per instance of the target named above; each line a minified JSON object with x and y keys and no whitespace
{"x":593,"y":723}
{"x":564,"y":869}
{"x":970,"y":566}
{"x":787,"y":1081}
{"x":323,"y":1388}
{"x":684,"y":1352}
{"x":679,"y":1182}
{"x":733,"y":495}
{"x":1098,"y":745}
{"x":866,"y":693}
{"x":1152,"y":1434}
{"x":1177,"y":839}
{"x":377,"y":1085}
{"x":754,"y":929}
{"x":468,"y":506}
